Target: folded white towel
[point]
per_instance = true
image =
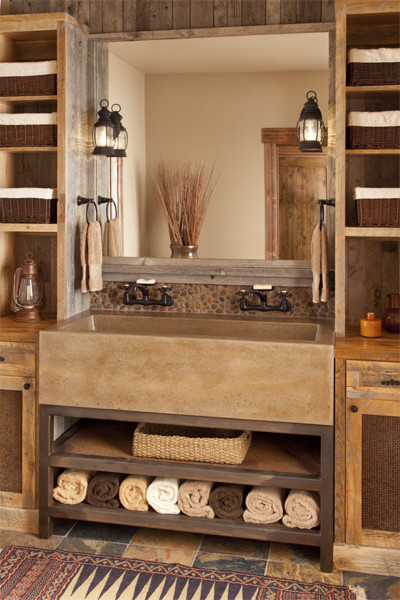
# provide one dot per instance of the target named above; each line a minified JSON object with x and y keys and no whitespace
{"x":23,"y":69}
{"x":44,"y":193}
{"x":383,"y":118}
{"x":374,"y":55}
{"x":28,"y":119}
{"x":162,"y":495}
{"x":361,"y":192}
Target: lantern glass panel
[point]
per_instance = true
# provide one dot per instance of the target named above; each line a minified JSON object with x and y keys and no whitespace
{"x":121,"y":141}
{"x":103,"y":136}
{"x":29,"y":291}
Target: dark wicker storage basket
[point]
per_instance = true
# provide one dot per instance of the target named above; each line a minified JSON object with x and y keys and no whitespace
{"x":199,"y":444}
{"x":373,"y":137}
{"x":28,"y":135}
{"x":34,"y":85}
{"x":386,"y":73}
{"x":28,"y":210}
{"x":378,"y":212}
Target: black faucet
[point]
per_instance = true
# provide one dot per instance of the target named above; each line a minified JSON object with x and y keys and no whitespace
{"x":132,"y":298}
{"x":263,"y":305}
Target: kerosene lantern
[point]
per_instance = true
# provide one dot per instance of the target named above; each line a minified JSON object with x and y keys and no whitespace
{"x":28,"y":291}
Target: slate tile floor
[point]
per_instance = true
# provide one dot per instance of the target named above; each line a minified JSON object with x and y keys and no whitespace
{"x":214,"y":552}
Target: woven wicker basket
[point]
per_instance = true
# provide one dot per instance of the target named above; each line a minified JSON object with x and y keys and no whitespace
{"x":28,"y":210}
{"x":35,"y":85}
{"x":28,"y":135}
{"x":373,"y":137}
{"x":378,"y":212}
{"x":173,"y":442}
{"x":386,"y":73}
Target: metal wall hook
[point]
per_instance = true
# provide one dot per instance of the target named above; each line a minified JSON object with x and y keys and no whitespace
{"x":88,"y":201}
{"x":322,"y":203}
{"x":110,"y":202}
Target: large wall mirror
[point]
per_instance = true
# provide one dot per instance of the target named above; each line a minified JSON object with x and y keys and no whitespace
{"x":208,"y":99}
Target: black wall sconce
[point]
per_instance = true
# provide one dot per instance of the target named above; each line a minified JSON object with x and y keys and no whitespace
{"x":310,"y":126}
{"x":110,"y":137}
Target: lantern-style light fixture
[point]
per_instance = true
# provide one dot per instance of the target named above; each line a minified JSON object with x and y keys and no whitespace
{"x":104,"y":132}
{"x":28,"y":291}
{"x":121,"y":134}
{"x":310,"y":126}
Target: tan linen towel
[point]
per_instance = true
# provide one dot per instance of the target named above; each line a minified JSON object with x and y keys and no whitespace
{"x":72,"y":485}
{"x":264,"y":505}
{"x":133,"y":491}
{"x":226,"y":500}
{"x":193,"y":498}
{"x":319,"y":263}
{"x":302,"y":509}
{"x":112,"y":240}
{"x":91,"y":257}
{"x":103,"y":490}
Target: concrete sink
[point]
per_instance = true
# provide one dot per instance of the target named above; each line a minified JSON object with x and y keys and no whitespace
{"x":274,"y":369}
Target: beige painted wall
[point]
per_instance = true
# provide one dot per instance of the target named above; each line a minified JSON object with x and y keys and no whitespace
{"x":214,"y":117}
{"x":127,"y":88}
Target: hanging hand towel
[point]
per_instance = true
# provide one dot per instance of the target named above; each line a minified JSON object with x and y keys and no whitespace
{"x":112,"y":240}
{"x":162,"y":495}
{"x":319,"y":263}
{"x":91,"y":257}
{"x":302,"y":509}
{"x":264,"y":505}
{"x":72,"y":485}
{"x":133,"y":492}
{"x":193,"y":498}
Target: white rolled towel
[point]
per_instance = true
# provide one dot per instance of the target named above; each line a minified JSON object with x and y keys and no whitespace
{"x":162,"y":495}
{"x":72,"y":485}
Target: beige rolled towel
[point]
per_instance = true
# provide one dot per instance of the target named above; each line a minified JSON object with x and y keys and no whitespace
{"x":302,"y":509}
{"x":72,"y":485}
{"x":193,"y":498}
{"x":133,"y":491}
{"x":264,"y":505}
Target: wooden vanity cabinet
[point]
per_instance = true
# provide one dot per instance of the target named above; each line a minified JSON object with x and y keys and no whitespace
{"x":304,"y":461}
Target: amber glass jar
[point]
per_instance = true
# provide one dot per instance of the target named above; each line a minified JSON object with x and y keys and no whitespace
{"x":391,"y":316}
{"x":370,"y":326}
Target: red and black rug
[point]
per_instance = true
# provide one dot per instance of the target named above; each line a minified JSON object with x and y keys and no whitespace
{"x":33,"y":574}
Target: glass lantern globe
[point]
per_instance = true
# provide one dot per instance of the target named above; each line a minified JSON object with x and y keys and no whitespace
{"x":121,"y":134}
{"x":104,"y":132}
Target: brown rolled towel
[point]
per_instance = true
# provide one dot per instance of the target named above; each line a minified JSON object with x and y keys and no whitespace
{"x":226,"y":500}
{"x":264,"y":505}
{"x":302,"y":509}
{"x":133,"y":491}
{"x":193,"y":498}
{"x":103,"y":489}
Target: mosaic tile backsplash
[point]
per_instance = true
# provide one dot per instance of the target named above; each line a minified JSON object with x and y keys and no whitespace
{"x":214,"y":299}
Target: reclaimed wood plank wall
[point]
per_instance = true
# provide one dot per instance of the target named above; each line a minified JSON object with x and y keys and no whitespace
{"x":112,"y":16}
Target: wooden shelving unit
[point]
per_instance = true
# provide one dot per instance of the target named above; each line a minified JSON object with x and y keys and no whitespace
{"x":285,"y":455}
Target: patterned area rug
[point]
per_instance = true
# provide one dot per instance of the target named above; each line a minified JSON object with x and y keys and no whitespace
{"x":33,"y":574}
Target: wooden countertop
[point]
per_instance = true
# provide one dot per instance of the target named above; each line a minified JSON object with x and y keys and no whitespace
{"x":354,"y":346}
{"x":11,"y":331}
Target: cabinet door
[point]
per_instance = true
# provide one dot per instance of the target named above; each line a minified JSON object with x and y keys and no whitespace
{"x":373,"y":471}
{"x":17,"y":442}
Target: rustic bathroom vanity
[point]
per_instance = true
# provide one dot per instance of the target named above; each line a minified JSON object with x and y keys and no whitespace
{"x":273,"y":377}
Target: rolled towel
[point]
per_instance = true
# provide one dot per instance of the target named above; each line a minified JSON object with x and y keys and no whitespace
{"x":193,"y":498}
{"x":133,"y":492}
{"x":302,"y":508}
{"x":162,"y":495}
{"x":226,"y":500}
{"x":72,"y":485}
{"x":264,"y":505}
{"x":103,"y":489}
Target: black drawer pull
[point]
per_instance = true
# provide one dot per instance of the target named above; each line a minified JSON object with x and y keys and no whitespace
{"x":27,"y":386}
{"x":2,"y":359}
{"x":390,"y":382}
{"x":354,"y":408}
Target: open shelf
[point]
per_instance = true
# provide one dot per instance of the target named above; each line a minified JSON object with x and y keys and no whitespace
{"x":365,"y":152}
{"x":378,"y":233}
{"x":372,"y":90}
{"x":27,"y":99}
{"x":28,"y":149}
{"x":29,"y":227}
